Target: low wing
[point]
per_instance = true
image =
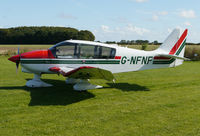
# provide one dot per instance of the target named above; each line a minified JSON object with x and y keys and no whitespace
{"x":84,"y":72}
{"x":172,"y":56}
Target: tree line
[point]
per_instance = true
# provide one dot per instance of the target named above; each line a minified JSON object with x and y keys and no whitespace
{"x":42,"y":35}
{"x":134,"y":42}
{"x":142,"y":42}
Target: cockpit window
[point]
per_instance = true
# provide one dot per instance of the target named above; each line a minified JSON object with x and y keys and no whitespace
{"x":65,"y":51}
{"x":82,"y":51}
{"x":108,"y":52}
{"x":86,"y":51}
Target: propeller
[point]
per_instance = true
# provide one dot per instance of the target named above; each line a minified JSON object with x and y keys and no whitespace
{"x":17,"y":62}
{"x":16,"y":59}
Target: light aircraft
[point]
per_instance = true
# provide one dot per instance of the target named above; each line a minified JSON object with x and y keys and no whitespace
{"x":80,"y":60}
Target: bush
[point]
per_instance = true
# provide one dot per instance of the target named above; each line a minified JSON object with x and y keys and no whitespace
{"x":144,"y":46}
{"x":192,"y":52}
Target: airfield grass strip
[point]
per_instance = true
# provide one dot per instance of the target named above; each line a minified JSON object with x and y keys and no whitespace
{"x":158,"y":102}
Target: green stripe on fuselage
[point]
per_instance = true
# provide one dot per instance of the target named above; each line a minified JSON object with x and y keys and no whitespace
{"x":53,"y":61}
{"x":164,"y":62}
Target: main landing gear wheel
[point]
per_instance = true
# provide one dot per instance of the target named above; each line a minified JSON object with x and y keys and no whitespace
{"x":84,"y":85}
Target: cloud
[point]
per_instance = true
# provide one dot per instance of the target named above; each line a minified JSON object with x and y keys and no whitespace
{"x":124,"y":30}
{"x":129,"y":31}
{"x":135,"y":29}
{"x":163,"y":13}
{"x":140,"y":1}
{"x":157,"y":15}
{"x":187,"y":14}
{"x":187,"y":23}
{"x":121,"y":20}
{"x":105,"y":29}
{"x":67,"y":16}
{"x":155,"y":18}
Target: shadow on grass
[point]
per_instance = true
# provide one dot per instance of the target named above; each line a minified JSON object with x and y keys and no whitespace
{"x":127,"y":87}
{"x":62,"y":94}
{"x":59,"y":94}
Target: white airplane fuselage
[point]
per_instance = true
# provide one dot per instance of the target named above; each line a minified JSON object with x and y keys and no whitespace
{"x":125,"y":60}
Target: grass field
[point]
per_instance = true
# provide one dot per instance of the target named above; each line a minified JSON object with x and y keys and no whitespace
{"x":160,"y":102}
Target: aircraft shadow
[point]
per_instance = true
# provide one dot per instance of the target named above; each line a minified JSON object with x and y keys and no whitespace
{"x":59,"y":94}
{"x":127,"y":87}
{"x":63,"y":94}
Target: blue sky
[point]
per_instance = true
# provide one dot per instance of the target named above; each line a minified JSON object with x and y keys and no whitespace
{"x":109,"y":20}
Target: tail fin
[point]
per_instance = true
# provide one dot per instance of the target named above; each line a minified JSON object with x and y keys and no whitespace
{"x":174,"y":47}
{"x":170,"y":41}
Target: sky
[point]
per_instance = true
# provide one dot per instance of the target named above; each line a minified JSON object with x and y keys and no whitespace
{"x":108,"y":20}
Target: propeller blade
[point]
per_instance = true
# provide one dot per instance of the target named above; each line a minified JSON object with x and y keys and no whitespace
{"x":17,"y":66}
{"x":18,"y":51}
{"x":17,"y":62}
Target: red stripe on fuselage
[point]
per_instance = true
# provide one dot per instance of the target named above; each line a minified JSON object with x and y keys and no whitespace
{"x":117,"y":57}
{"x":178,"y":43}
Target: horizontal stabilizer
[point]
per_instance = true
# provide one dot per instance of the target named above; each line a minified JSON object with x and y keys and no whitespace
{"x":172,"y":56}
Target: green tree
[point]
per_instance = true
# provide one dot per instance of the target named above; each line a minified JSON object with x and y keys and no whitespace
{"x":42,"y":35}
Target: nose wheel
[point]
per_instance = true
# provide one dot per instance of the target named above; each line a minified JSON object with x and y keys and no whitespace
{"x":37,"y":82}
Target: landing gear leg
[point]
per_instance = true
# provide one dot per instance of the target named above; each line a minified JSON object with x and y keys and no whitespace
{"x":37,"y":82}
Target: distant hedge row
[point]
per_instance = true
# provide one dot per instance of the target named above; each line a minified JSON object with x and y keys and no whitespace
{"x":42,"y":35}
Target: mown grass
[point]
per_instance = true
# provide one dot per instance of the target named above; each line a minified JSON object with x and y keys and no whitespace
{"x":159,"y":102}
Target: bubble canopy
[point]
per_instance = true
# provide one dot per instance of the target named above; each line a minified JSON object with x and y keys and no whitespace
{"x":77,"y":50}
